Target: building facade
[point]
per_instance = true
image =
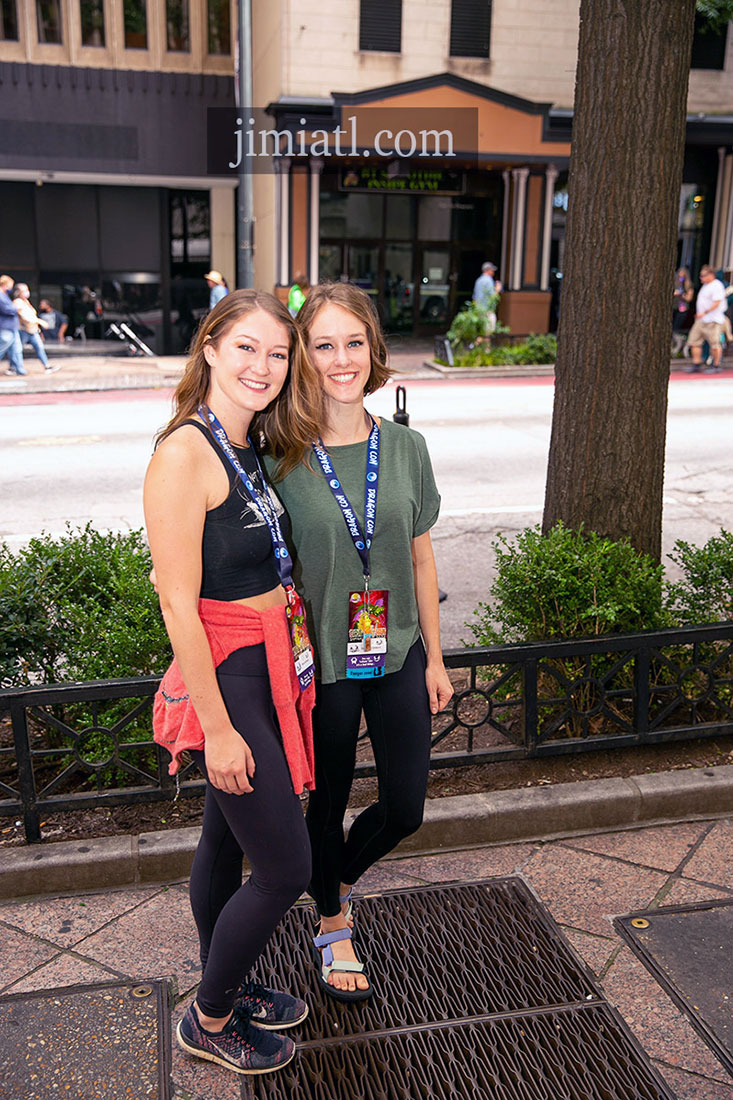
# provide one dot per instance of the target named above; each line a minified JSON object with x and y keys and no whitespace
{"x":106,"y":203}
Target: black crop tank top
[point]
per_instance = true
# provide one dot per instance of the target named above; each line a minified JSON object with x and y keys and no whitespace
{"x":237,"y":559}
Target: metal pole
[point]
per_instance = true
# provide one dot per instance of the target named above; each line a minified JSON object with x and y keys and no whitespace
{"x":245,"y":205}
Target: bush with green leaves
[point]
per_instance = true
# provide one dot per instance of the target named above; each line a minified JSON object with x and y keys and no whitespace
{"x":535,"y":349}
{"x":705,"y":592}
{"x":568,"y":584}
{"x":79,"y":607}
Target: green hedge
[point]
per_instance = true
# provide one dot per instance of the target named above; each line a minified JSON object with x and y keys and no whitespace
{"x":79,"y":607}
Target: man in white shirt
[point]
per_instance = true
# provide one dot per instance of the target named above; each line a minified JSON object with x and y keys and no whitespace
{"x":709,"y":319}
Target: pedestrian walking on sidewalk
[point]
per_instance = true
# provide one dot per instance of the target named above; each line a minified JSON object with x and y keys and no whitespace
{"x":709,"y":318}
{"x":217,"y":285}
{"x":240,"y":691}
{"x":10,"y":346}
{"x":31,"y":325}
{"x":361,"y":519}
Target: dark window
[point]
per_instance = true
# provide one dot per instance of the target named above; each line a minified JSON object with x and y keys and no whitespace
{"x":176,"y":25}
{"x":470,"y":28}
{"x":92,"y":22}
{"x":380,"y":25}
{"x":136,"y":25}
{"x":708,"y":46}
{"x":48,"y":13}
{"x":219,"y":37}
{"x":8,"y":21}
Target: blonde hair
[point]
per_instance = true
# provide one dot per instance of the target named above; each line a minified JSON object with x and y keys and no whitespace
{"x":358,"y":302}
{"x":289,"y":424}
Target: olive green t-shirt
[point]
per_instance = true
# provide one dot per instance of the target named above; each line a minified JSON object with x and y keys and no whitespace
{"x":327,"y":564}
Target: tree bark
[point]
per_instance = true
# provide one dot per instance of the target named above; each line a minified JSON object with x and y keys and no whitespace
{"x":606,"y":462}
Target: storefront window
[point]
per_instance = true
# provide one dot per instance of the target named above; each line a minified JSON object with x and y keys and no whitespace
{"x":136,"y":25}
{"x":434,"y":218}
{"x":691,"y":225}
{"x":219,"y":27}
{"x":176,"y":23}
{"x":8,"y":21}
{"x":351,"y":215}
{"x":92,"y":22}
{"x":400,"y":224}
{"x":48,"y":13}
{"x":190,"y":228}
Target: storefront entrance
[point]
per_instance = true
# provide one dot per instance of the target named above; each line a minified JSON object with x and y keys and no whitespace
{"x":416,"y":255}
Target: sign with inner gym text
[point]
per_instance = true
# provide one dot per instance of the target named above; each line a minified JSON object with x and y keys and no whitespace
{"x":415,"y":181}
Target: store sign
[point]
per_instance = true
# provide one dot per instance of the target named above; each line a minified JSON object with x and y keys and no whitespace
{"x":414,"y":181}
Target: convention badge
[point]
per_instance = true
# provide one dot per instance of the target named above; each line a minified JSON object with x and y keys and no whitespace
{"x":366,"y":649}
{"x":302,"y":652}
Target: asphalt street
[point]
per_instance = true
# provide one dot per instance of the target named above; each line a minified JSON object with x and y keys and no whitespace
{"x":81,"y":456}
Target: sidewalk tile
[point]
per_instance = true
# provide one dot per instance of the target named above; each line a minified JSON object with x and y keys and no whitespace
{"x":383,"y":876}
{"x":66,"y":921}
{"x":583,"y":890}
{"x":472,"y":863}
{"x":664,"y":1032}
{"x":688,"y":1086}
{"x":713,"y":861}
{"x":663,"y":847}
{"x":158,"y":939}
{"x":63,"y":970}
{"x":684,"y":892}
{"x":20,"y":954}
{"x":593,"y":950}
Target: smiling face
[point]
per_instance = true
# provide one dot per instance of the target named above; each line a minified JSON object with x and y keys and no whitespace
{"x":338,"y":347}
{"x":249,"y":366}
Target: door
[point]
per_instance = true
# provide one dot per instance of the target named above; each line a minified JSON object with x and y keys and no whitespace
{"x":435,"y":284}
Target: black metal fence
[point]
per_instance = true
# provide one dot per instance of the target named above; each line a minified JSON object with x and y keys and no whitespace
{"x":74,"y":746}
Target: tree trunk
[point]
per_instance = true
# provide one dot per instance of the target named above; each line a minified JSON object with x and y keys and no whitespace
{"x":606,"y":463}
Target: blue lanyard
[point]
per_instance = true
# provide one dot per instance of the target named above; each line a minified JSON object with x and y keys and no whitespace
{"x":265,"y":503}
{"x":371,"y":485}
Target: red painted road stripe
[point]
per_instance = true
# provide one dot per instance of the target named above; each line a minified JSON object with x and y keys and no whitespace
{"x":87,"y":397}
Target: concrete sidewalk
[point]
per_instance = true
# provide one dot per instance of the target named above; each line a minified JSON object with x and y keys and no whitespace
{"x":140,"y":932}
{"x":105,"y":371}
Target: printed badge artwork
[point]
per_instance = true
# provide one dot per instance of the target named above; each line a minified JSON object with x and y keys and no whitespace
{"x":366,"y":650}
{"x":302,"y":652}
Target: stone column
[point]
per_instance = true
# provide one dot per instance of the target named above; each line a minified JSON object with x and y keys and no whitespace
{"x":314,"y":223}
{"x":519,"y":178}
{"x":284,"y":250}
{"x":550,"y":177}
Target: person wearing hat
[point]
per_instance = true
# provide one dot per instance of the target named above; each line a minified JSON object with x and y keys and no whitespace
{"x":485,"y":289}
{"x":217,"y":285}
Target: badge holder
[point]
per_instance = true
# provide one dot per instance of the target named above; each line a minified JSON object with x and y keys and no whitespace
{"x":366,"y":649}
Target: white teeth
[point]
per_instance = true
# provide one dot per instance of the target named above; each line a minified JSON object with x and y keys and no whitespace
{"x":253,"y":385}
{"x":344,"y":377}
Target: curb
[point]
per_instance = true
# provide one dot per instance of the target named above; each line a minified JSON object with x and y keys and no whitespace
{"x":529,"y":813}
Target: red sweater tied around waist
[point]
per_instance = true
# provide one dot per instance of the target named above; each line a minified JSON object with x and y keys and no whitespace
{"x":230,"y":626}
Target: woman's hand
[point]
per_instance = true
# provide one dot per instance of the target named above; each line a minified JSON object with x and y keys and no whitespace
{"x":440,"y":689}
{"x":230,"y":764}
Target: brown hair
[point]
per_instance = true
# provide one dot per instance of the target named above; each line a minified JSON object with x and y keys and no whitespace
{"x":287,"y":427}
{"x":358,"y":302}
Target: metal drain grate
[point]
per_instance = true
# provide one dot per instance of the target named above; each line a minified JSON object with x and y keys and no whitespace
{"x":437,"y":953}
{"x":86,"y":1043}
{"x":570,"y":1054}
{"x":687,"y":948}
{"x":477,"y":995}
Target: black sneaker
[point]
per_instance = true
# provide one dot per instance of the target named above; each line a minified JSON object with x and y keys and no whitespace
{"x":269,"y":1009}
{"x":240,"y":1046}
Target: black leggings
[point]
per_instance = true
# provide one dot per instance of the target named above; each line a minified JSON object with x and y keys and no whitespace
{"x":236,"y":921}
{"x":398,"y":721}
